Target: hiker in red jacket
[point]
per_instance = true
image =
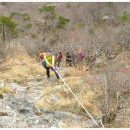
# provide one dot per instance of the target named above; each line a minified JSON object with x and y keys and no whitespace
{"x":41,"y":56}
{"x":58,"y":58}
{"x":80,"y":55}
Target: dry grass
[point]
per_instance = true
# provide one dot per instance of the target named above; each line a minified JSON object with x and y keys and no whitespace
{"x":20,"y":67}
{"x":71,"y":71}
{"x":67,"y":124}
{"x":65,"y":100}
{"x":6,"y":90}
{"x":123,"y":58}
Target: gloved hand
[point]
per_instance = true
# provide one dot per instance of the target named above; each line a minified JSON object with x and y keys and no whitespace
{"x":52,"y":68}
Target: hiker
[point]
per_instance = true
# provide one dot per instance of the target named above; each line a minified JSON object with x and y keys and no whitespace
{"x":41,"y":56}
{"x":69,"y":58}
{"x":48,"y":63}
{"x":90,"y":59}
{"x":80,"y":55}
{"x":58,"y":58}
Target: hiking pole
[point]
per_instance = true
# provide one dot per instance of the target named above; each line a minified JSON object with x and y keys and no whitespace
{"x":77,"y":99}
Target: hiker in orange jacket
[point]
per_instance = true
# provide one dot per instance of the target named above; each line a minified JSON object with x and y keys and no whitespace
{"x":41,"y":56}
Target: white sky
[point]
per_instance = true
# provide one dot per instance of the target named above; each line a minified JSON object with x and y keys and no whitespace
{"x":64,"y":0}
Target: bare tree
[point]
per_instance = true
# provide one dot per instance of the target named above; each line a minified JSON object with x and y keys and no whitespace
{"x":111,"y":99}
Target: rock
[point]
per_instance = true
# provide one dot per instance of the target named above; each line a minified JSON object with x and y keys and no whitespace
{"x":66,"y":116}
{"x":99,"y":63}
{"x":39,"y":77}
{"x":15,"y":86}
{"x":33,"y":96}
{"x":30,"y":78}
{"x":18,"y":111}
{"x":25,"y":122}
{"x":112,"y":56}
{"x":35,"y":84}
{"x":61,"y":116}
{"x":13,"y":122}
{"x":21,"y":105}
{"x":17,"y":62}
{"x":56,"y":88}
{"x":105,"y":17}
{"x":53,"y":98}
{"x":89,"y":123}
{"x":61,"y":124}
{"x":24,"y":111}
{"x":6,"y":109}
{"x":25,"y":116}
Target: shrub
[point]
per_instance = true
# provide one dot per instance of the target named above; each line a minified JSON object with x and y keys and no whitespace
{"x":48,"y":8}
{"x":6,"y":22}
{"x":15,"y":13}
{"x":26,"y":17}
{"x":28,"y":26}
{"x":62,"y":22}
{"x":110,"y":99}
{"x":124,"y":17}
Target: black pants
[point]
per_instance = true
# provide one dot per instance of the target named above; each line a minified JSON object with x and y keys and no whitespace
{"x":48,"y":70}
{"x":69,"y":62}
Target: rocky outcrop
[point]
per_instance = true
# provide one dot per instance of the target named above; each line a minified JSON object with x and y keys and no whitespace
{"x":20,"y":113}
{"x":18,"y":110}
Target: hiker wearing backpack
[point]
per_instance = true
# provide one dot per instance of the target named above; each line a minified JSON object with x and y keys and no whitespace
{"x":90,"y":59}
{"x":41,"y":56}
{"x":58,"y":58}
{"x":69,"y":58}
{"x":48,"y":63}
{"x":80,"y":55}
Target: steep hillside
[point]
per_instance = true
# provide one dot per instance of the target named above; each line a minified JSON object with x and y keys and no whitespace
{"x":101,"y":81}
{"x":49,"y":103}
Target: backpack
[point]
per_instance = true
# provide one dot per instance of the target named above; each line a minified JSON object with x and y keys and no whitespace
{"x":70,"y":56}
{"x":80,"y":56}
{"x":40,"y":55}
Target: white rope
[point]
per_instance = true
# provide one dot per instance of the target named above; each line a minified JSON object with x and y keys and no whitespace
{"x":77,"y":99}
{"x":102,"y":123}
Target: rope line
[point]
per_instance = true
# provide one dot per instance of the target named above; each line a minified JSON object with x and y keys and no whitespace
{"x":102,"y":123}
{"x":78,"y":99}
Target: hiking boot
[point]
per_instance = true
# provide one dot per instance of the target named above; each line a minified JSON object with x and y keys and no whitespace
{"x":58,"y":78}
{"x":48,"y":77}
